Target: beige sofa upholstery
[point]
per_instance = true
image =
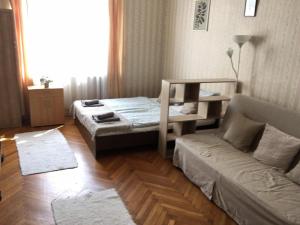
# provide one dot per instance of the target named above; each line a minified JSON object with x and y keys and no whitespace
{"x":250,"y":192}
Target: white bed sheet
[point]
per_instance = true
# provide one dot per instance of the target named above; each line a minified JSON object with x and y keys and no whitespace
{"x":84,"y":115}
{"x":139,"y":114}
{"x":139,"y":111}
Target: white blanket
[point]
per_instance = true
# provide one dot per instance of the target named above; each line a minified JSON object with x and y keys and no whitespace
{"x":139,"y":113}
{"x":84,"y":115}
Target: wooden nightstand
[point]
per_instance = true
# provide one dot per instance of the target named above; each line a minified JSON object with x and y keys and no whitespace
{"x":46,"y":106}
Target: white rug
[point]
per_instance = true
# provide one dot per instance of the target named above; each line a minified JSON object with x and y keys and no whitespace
{"x":91,"y":208}
{"x":44,"y":151}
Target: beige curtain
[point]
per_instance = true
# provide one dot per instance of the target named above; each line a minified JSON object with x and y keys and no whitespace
{"x":115,"y":60}
{"x":25,"y":80}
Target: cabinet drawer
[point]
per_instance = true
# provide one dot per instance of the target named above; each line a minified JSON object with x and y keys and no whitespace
{"x":46,"y":107}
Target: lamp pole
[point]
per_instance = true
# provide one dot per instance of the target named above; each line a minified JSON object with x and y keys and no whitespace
{"x":240,"y":40}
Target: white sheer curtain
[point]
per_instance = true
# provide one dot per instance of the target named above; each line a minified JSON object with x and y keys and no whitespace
{"x":67,"y":40}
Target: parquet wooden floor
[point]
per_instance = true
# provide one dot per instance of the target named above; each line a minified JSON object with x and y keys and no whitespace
{"x":155,"y":192}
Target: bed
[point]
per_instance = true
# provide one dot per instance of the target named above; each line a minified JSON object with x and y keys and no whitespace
{"x":138,"y":125}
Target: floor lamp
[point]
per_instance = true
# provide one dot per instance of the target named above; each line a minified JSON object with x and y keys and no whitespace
{"x":240,"y":40}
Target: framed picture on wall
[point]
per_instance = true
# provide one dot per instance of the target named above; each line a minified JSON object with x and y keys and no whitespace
{"x":201,"y":14}
{"x":250,"y":8}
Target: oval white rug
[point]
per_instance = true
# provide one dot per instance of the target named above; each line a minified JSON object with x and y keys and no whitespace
{"x":91,"y":208}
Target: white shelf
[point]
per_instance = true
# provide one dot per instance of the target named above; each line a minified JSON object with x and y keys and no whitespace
{"x":185,"y":118}
{"x":214,"y":98}
{"x":203,"y":99}
{"x":209,"y":107}
{"x":195,"y":81}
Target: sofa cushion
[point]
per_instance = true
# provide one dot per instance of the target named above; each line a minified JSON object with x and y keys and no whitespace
{"x":286,"y":120}
{"x":294,"y":174}
{"x":251,"y":192}
{"x":242,"y":132}
{"x":277,"y":148}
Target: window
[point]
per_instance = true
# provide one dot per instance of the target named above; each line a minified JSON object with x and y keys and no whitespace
{"x":67,"y":39}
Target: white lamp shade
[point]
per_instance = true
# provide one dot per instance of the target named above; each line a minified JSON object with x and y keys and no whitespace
{"x":241,"y":39}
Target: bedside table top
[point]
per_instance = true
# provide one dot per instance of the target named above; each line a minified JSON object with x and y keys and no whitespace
{"x":42,"y":88}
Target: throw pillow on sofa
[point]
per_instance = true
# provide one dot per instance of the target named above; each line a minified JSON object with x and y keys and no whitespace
{"x":242,"y":131}
{"x":277,"y":148}
{"x":294,"y":174}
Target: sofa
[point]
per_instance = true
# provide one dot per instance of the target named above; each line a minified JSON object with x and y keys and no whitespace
{"x":249,"y":191}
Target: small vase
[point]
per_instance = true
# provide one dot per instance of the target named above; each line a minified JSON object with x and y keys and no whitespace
{"x":46,"y":85}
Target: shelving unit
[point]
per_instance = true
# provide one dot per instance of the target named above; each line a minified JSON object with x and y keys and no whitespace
{"x":187,"y":91}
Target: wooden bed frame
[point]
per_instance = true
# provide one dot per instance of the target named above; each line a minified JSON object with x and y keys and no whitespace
{"x":101,"y":144}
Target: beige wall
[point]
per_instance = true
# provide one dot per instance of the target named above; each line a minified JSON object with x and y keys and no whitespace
{"x":4,"y":4}
{"x":143,"y":41}
{"x":270,"y":66}
{"x":160,"y":42}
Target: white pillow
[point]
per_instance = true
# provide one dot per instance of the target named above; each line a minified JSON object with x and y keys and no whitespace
{"x":189,"y":108}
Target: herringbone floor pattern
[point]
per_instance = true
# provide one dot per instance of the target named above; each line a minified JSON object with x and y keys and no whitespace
{"x":154,"y":192}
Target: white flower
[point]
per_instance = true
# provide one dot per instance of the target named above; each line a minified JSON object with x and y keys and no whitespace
{"x":229,"y":52}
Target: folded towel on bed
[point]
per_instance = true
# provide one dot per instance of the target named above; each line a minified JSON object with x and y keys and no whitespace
{"x":91,"y":103}
{"x":114,"y":118}
{"x":104,"y":115}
